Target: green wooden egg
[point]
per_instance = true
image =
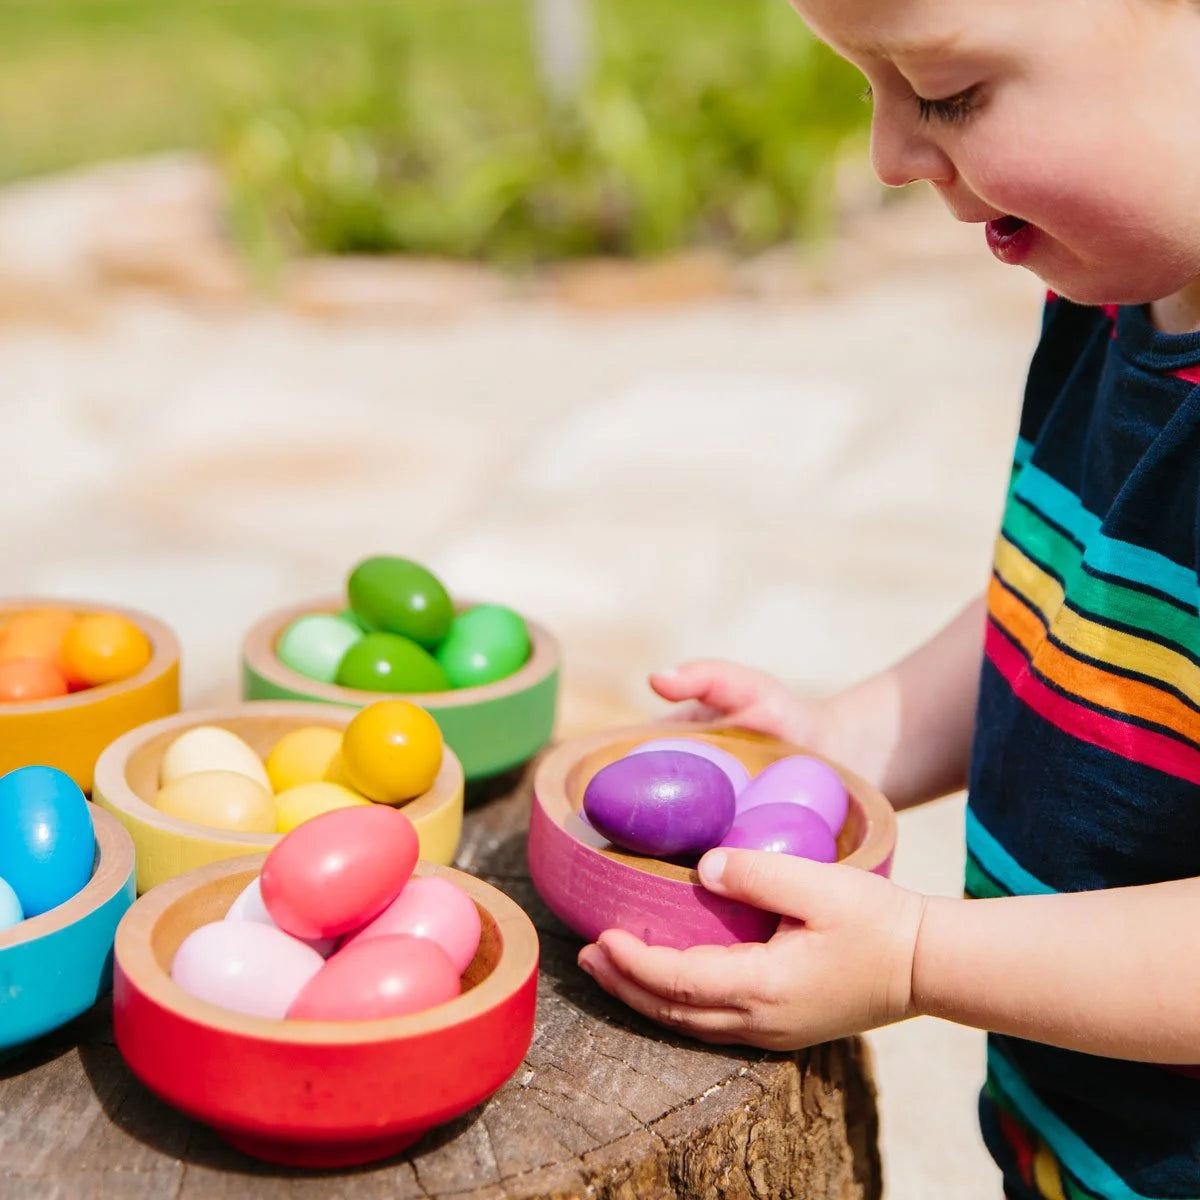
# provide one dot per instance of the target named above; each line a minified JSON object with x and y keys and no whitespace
{"x":395,"y":595}
{"x":486,"y":643}
{"x":314,"y":645}
{"x":387,"y":662}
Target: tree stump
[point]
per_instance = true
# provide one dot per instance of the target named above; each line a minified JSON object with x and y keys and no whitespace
{"x":606,"y":1106}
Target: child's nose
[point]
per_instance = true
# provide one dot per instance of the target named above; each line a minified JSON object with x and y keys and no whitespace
{"x":902,"y":154}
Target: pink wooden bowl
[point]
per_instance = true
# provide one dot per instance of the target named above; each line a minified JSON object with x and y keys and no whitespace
{"x":590,"y":885}
{"x":318,"y":1093}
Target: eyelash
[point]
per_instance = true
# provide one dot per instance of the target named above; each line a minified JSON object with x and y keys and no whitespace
{"x":950,"y":110}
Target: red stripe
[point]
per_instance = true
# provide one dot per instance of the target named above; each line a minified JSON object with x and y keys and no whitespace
{"x":1018,"y":1139}
{"x":1051,"y":297}
{"x":1191,"y":374}
{"x":1129,"y":741}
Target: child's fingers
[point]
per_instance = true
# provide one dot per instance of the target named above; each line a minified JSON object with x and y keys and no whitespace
{"x":707,"y":976}
{"x":721,"y":685}
{"x":715,"y":1024}
{"x":782,"y":883}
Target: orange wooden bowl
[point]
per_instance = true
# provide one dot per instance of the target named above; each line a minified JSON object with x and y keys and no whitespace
{"x":318,"y":1093}
{"x":69,"y":732}
{"x":591,"y":885}
{"x":127,"y":782}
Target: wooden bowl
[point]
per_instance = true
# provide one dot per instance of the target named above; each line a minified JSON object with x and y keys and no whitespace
{"x":590,"y":885}
{"x":68,"y":732}
{"x":127,"y":782}
{"x":55,"y":966}
{"x":319,"y":1093}
{"x":492,"y":728}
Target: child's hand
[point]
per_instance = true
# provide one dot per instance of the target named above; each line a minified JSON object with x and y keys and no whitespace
{"x":840,"y":963}
{"x":741,"y":696}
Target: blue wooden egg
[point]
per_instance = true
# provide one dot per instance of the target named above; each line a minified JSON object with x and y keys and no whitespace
{"x":47,"y":843}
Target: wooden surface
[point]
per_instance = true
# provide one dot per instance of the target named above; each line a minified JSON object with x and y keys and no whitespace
{"x":605,"y":1106}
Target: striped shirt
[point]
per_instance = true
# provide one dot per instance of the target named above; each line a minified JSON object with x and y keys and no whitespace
{"x":1085,"y":770}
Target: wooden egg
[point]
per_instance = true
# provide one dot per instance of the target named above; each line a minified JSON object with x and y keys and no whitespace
{"x":56,"y":965}
{"x":127,"y":782}
{"x":491,"y":728}
{"x":590,"y":885}
{"x":69,"y":732}
{"x":319,"y":1094}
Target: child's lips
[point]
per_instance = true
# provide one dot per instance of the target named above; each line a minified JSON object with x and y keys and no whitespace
{"x":1009,"y":239}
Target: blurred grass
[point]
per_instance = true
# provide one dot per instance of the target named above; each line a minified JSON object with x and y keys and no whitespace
{"x":418,"y":125}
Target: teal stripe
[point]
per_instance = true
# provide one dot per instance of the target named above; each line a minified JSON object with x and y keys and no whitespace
{"x":999,"y":864}
{"x":1022,"y":452}
{"x":1107,"y":555}
{"x":1070,"y":1149}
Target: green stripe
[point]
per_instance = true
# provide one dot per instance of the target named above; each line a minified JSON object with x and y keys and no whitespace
{"x":1104,"y":600}
{"x":978,"y":884}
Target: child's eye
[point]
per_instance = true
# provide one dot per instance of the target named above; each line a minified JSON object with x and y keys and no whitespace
{"x":950,"y":110}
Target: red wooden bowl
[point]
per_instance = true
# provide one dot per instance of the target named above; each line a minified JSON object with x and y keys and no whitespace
{"x":318,"y":1093}
{"x":590,"y":885}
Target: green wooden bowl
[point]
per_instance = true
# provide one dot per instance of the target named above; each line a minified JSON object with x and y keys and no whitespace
{"x":491,"y":729}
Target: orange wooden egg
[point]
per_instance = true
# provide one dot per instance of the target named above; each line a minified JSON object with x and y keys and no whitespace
{"x":103,"y":648}
{"x":36,"y":634}
{"x":23,"y":680}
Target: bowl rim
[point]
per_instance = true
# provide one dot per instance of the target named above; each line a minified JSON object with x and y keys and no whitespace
{"x":519,"y":956}
{"x":164,"y":653}
{"x":113,"y":784}
{"x":551,"y":777}
{"x":258,"y":653}
{"x":114,"y":866}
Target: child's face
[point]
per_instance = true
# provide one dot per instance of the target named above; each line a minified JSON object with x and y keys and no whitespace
{"x":1069,"y":126}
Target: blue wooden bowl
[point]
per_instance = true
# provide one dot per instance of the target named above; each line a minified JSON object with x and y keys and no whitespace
{"x":55,"y":966}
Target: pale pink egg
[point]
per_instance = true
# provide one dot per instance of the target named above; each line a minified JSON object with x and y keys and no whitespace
{"x":430,"y":907}
{"x":245,"y":966}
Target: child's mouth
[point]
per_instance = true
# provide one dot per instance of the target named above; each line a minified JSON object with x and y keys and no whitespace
{"x":1009,"y":239}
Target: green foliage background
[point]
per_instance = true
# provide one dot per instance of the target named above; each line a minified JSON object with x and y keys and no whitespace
{"x":349,"y":126}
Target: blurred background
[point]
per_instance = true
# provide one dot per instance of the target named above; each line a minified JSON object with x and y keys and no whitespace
{"x":589,"y":305}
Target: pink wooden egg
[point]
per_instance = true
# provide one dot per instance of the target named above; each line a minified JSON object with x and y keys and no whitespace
{"x":430,"y":907}
{"x":385,"y":976}
{"x":339,"y":870}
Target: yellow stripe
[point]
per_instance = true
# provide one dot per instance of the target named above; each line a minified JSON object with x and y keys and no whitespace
{"x":1089,"y":638}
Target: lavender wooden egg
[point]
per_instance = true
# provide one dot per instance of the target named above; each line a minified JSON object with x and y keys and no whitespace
{"x":799,"y":779}
{"x":664,"y":803}
{"x":739,"y":776}
{"x":782,"y":829}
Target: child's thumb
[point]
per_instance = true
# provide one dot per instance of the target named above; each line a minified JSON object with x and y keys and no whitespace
{"x":781,"y":883}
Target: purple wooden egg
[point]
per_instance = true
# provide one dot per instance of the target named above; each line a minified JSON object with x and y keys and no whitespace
{"x":799,"y":779}
{"x":782,"y":829}
{"x":664,"y":803}
{"x":739,"y":776}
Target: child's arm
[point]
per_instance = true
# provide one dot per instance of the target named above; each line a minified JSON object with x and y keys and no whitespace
{"x":907,"y":729}
{"x":1112,"y":972}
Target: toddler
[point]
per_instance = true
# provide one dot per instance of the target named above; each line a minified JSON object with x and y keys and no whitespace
{"x":1066,"y":698}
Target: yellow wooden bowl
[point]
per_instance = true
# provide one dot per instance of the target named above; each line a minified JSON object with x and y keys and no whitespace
{"x":69,"y":732}
{"x":127,"y":782}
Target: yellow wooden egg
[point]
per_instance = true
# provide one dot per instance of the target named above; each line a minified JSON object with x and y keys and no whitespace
{"x":302,"y":756}
{"x":298,"y":804}
{"x":211,"y":748}
{"x":219,"y":799}
{"x":336,"y":772}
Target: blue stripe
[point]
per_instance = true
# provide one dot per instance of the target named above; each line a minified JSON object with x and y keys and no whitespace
{"x":999,"y":864}
{"x":1069,"y":1148}
{"x":1106,"y":555}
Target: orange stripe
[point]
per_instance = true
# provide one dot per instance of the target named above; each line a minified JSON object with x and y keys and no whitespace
{"x":1131,"y":697}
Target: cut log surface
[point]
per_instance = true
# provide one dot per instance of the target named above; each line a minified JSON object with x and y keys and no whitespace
{"x":605,"y":1106}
